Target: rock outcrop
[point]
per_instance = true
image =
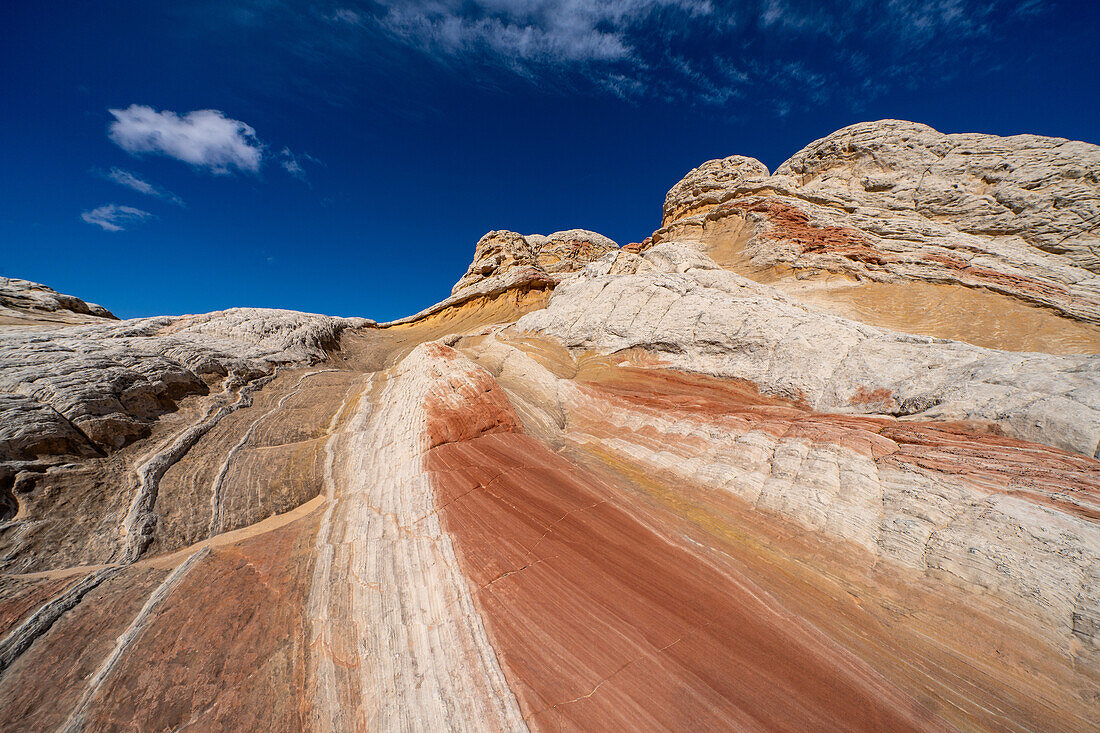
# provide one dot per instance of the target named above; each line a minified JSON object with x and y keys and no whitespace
{"x":561,"y":252}
{"x":87,"y":392}
{"x":23,"y":300}
{"x":850,"y":476}
{"x":730,"y":479}
{"x":109,"y":382}
{"x":894,"y":203}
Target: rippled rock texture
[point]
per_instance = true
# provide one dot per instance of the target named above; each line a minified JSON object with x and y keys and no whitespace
{"x":596,"y":488}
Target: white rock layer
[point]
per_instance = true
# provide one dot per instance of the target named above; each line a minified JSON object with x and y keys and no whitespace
{"x":400,"y":644}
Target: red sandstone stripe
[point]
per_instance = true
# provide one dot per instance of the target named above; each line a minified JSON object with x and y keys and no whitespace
{"x":1038,"y":473}
{"x":601,"y":623}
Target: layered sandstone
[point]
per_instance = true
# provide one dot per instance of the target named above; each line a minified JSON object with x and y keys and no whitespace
{"x":564,"y":545}
{"x":88,"y":392}
{"x":110,"y":381}
{"x":890,"y":203}
{"x":678,"y":303}
{"x":693,"y":485}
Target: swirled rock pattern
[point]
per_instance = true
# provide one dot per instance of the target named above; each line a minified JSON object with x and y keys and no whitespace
{"x":92,"y":391}
{"x":110,"y":381}
{"x":705,"y":319}
{"x":692,"y":484}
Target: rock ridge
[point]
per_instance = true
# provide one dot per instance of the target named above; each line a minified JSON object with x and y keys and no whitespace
{"x":698,"y":317}
{"x":894,"y":201}
{"x":23,"y":299}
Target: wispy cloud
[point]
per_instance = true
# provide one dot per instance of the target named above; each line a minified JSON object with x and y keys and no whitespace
{"x":345,"y":15}
{"x":908,"y":23}
{"x":204,"y":138}
{"x":114,"y":218}
{"x":705,"y":52}
{"x":292,"y":163}
{"x":132,"y":181}
{"x":1032,"y":7}
{"x":525,"y":32}
{"x":293,"y":167}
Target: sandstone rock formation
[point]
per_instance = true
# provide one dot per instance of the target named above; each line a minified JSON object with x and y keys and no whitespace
{"x":894,"y":203}
{"x":22,"y":300}
{"x":660,"y":487}
{"x":561,"y":252}
{"x":706,"y":320}
{"x":89,"y":391}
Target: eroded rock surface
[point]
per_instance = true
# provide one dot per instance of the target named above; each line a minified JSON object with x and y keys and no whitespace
{"x":659,"y":487}
{"x":561,"y":252}
{"x":894,"y":202}
{"x":22,"y":301}
{"x":88,"y":392}
{"x":110,"y":381}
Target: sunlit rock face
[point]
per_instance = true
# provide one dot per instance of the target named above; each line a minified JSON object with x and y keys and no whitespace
{"x":561,"y":252}
{"x":984,"y":238}
{"x":731,"y":479}
{"x":23,"y":301}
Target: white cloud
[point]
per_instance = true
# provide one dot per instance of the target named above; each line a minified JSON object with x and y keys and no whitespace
{"x":205,"y":138}
{"x":130,"y":180}
{"x":112,"y":217}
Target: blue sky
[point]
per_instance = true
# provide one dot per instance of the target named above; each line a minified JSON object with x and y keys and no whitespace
{"x":345,"y":157}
